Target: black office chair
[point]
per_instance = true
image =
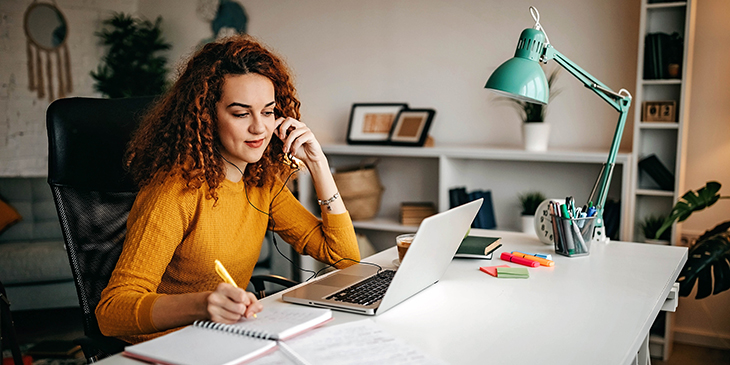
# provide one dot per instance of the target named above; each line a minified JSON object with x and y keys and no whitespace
{"x":93,"y":195}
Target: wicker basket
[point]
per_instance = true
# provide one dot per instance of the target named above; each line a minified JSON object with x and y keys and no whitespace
{"x":361,"y":191}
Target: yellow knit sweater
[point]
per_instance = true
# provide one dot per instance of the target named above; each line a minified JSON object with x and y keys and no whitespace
{"x":175,"y":234}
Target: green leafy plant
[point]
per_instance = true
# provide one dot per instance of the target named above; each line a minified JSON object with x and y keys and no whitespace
{"x":709,"y":256}
{"x":651,"y":224}
{"x":132,"y":65}
{"x":530,"y":201}
{"x":531,"y":112}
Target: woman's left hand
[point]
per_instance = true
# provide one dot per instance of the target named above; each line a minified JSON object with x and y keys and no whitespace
{"x":299,"y":140}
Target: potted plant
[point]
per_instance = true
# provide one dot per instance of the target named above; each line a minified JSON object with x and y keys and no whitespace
{"x":650,"y":225}
{"x":709,"y":256}
{"x":132,"y":65}
{"x":535,"y":132}
{"x":530,"y":201}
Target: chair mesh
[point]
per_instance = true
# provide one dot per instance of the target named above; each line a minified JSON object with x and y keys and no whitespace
{"x":94,"y":227}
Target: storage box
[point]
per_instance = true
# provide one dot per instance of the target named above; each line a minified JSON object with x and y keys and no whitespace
{"x":361,"y":191}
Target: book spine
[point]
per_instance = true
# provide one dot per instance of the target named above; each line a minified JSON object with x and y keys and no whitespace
{"x":648,"y":58}
{"x":233,"y":329}
{"x":486,"y":212}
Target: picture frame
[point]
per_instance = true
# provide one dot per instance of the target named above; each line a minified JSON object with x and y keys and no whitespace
{"x":371,"y":123}
{"x":411,"y":127}
{"x":659,"y":111}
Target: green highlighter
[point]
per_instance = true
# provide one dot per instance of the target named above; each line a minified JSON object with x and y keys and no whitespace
{"x":512,"y":273}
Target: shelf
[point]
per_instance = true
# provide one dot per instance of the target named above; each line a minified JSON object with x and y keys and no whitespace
{"x":477,"y":153}
{"x":427,"y":174}
{"x":654,"y":192}
{"x":659,"y":125}
{"x":662,"y":82}
{"x":675,"y":4}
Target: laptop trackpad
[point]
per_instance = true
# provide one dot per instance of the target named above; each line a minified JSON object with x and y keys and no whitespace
{"x":339,"y":280}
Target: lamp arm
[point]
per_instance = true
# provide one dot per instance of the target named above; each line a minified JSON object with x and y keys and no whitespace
{"x":611,"y":97}
{"x":619,"y":101}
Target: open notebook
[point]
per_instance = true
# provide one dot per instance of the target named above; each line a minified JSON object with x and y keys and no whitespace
{"x":215,"y":343}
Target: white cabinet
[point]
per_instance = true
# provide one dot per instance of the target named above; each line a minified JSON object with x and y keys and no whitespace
{"x":667,"y":140}
{"x":427,"y":174}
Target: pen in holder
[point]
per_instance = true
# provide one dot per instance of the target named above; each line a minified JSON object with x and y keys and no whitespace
{"x":572,"y":236}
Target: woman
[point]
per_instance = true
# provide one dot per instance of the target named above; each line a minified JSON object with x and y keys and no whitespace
{"x":211,"y":159}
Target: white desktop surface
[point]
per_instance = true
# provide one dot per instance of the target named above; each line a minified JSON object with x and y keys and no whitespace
{"x":595,"y":309}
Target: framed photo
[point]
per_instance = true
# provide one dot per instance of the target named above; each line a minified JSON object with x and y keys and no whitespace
{"x":411,"y":127}
{"x":659,"y":111}
{"x":370,"y":123}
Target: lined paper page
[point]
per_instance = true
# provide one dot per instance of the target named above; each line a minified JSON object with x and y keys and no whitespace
{"x":285,"y":321}
{"x":359,"y":342}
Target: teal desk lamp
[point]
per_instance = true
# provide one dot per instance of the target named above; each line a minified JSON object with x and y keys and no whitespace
{"x":522,"y":78}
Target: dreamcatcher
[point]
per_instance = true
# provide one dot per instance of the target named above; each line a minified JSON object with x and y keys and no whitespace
{"x":46,"y":31}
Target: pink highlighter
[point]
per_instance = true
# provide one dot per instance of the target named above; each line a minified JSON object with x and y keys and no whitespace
{"x":506,"y":256}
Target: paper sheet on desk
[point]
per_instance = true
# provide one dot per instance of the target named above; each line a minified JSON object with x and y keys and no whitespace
{"x":359,"y":342}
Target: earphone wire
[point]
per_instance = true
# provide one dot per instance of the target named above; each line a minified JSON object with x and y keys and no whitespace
{"x":273,"y":226}
{"x":273,"y":222}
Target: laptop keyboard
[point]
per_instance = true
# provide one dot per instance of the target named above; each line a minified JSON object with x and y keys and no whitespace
{"x":367,"y":291}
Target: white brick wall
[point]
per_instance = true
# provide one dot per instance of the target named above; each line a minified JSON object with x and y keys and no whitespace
{"x":23,"y":142}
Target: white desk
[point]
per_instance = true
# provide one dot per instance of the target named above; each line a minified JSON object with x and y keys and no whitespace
{"x":586,"y":310}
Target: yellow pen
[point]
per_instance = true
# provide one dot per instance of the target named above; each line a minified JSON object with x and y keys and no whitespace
{"x":223,"y":273}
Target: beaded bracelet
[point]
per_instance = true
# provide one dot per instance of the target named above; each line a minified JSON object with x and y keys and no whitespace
{"x":329,"y":201}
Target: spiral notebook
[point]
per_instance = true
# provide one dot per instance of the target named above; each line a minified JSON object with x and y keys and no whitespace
{"x":212,"y":343}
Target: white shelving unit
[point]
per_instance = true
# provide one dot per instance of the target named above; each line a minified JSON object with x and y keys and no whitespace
{"x":666,"y":139}
{"x":427,"y":174}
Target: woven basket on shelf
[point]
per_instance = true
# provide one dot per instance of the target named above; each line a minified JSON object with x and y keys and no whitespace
{"x":361,"y":191}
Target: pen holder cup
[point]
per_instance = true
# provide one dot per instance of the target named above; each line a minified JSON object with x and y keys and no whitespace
{"x":572,"y":237}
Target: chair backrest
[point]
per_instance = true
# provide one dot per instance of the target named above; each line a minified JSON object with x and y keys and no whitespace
{"x":92,"y":191}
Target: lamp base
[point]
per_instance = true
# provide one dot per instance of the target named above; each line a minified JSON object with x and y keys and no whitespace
{"x":599,"y":235}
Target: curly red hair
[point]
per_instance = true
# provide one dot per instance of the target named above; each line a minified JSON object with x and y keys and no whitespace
{"x":180,"y":133}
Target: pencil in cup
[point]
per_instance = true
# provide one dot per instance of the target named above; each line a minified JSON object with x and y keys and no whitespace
{"x":557,"y":227}
{"x":573,"y":233}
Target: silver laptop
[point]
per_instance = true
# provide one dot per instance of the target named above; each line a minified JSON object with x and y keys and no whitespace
{"x":429,"y":255}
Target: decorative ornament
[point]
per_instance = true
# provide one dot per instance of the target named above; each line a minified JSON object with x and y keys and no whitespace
{"x":230,"y":15}
{"x":207,"y":9}
{"x":46,"y":30}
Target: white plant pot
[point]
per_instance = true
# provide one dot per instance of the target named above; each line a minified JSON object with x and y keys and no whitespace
{"x":528,"y":224}
{"x":536,"y":136}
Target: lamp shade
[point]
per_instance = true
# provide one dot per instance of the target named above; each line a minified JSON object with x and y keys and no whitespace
{"x":522,"y":77}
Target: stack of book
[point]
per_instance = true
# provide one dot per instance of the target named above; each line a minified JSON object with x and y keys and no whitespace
{"x":660,"y":50}
{"x":485,"y":218}
{"x":412,"y":213}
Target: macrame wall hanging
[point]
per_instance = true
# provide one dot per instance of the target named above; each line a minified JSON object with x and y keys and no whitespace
{"x":46,"y":31}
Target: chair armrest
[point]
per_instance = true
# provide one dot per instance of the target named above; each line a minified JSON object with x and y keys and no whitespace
{"x":258,"y":282}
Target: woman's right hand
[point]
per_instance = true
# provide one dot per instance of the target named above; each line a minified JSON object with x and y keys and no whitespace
{"x":228,"y":304}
